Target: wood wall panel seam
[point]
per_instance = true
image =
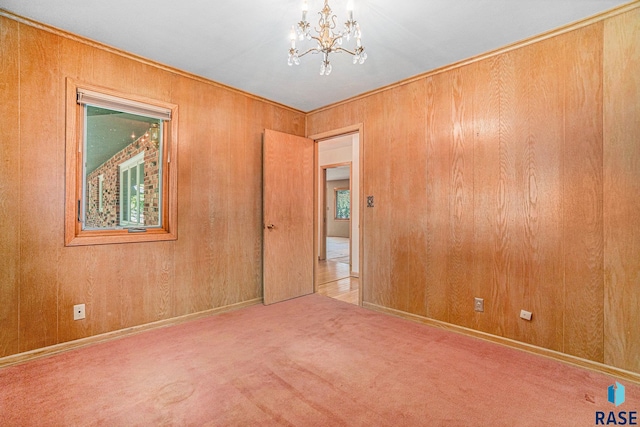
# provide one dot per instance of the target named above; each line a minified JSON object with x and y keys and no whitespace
{"x":10,"y":243}
{"x":621,"y":70}
{"x":38,"y":247}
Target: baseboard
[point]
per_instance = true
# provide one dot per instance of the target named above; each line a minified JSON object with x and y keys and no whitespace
{"x":15,"y":359}
{"x":540,"y":351}
{"x":354,"y":274}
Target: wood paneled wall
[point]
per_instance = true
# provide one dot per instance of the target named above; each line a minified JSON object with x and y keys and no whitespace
{"x":515,"y":178}
{"x":216,"y":260}
{"x":622,"y":190}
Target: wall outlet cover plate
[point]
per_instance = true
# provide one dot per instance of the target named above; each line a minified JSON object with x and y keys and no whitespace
{"x":78,"y":312}
{"x":526,"y":315}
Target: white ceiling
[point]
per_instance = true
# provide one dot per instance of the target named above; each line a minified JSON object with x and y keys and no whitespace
{"x":244,"y":44}
{"x":338,"y":173}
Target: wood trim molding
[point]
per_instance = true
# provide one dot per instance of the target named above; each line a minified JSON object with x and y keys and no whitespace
{"x":347,"y":130}
{"x":19,"y":358}
{"x":522,"y":43}
{"x":529,"y":348}
{"x":141,"y":59}
{"x":336,"y":165}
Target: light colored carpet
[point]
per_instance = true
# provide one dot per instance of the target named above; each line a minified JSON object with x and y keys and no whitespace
{"x":312,"y":361}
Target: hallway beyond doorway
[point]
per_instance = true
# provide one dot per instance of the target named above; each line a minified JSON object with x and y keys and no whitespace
{"x":333,"y":279}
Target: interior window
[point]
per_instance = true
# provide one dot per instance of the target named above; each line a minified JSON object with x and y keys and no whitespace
{"x":123,"y":174}
{"x":343,"y":203}
{"x":117,"y":146}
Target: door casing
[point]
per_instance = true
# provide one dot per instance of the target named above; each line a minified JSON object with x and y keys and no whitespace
{"x":359,"y":129}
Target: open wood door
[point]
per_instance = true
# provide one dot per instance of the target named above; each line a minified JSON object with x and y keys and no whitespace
{"x":288,"y":211}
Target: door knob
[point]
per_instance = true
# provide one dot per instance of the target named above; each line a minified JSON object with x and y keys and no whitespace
{"x":271,"y":226}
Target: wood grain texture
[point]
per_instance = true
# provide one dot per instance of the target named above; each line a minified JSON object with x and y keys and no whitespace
{"x":407,"y":191}
{"x":438,"y":140}
{"x":216,"y":261}
{"x":583,"y":194}
{"x":9,"y":186}
{"x":541,"y":189}
{"x":531,"y":174}
{"x":207,"y":157}
{"x":376,"y":219}
{"x":243,"y":208}
{"x":509,"y":210}
{"x":41,"y":215}
{"x":219,"y":203}
{"x":622,"y":191}
{"x":519,"y":211}
{"x":186,"y":249}
{"x":288,"y":207}
{"x":461,"y":189}
{"x":486,"y":116}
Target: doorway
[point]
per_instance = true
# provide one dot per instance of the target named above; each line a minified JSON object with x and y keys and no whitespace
{"x":338,"y":218}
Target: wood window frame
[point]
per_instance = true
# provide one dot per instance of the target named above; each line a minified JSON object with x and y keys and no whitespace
{"x":74,"y":235}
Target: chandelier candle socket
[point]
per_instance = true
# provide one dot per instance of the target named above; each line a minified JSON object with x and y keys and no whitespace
{"x":327,"y":39}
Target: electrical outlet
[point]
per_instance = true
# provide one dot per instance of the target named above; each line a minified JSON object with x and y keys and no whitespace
{"x":478,"y":304}
{"x":526,"y":315}
{"x":78,"y":312}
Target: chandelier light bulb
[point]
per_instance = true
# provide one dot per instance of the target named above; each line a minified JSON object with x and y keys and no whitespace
{"x":292,"y":37}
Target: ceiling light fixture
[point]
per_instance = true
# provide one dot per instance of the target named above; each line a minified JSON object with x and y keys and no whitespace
{"x":327,"y":40}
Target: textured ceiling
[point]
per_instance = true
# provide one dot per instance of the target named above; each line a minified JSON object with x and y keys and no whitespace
{"x":244,"y":44}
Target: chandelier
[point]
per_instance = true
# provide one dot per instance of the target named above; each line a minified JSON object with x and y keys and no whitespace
{"x":327,"y":39}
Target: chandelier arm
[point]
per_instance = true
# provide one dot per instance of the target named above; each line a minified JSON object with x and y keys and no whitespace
{"x":321,"y":22}
{"x":333,"y":22}
{"x":317,"y":39}
{"x":341,"y":49}
{"x":311,"y":50}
